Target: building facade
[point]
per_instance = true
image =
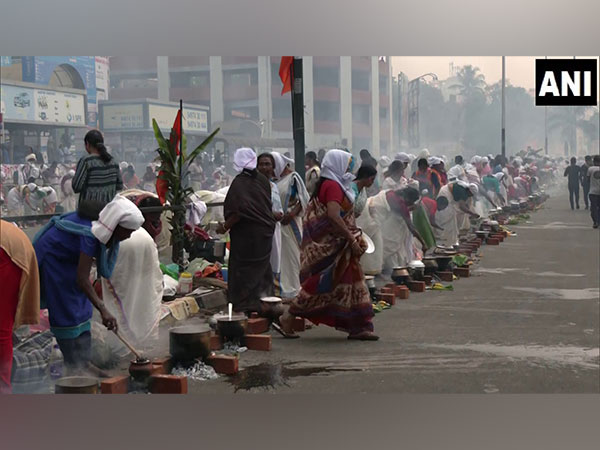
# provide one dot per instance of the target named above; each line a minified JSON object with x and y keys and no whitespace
{"x":347,"y":100}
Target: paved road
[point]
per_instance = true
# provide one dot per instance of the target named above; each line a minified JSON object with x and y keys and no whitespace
{"x":526,"y":322}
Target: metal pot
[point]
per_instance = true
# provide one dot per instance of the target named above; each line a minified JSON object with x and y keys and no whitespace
{"x":370,"y":282}
{"x":189,"y":342}
{"x":431,"y":265}
{"x":416,"y":269}
{"x":233,"y":329}
{"x":482,"y":234}
{"x":443,"y":262}
{"x":76,"y":385}
{"x":400,"y":275}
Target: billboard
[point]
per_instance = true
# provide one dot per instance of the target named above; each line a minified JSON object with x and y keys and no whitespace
{"x":39,"y":70}
{"x":122,"y":117}
{"x":41,"y":105}
{"x":5,"y":61}
{"x":194,"y":120}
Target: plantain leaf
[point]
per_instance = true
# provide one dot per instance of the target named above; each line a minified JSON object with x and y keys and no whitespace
{"x":202,"y":146}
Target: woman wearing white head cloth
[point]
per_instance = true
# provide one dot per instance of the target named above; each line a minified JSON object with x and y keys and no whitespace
{"x":294,"y":200}
{"x":451,"y":203}
{"x":69,"y":201}
{"x":333,"y":289}
{"x":66,"y":248}
{"x":251,"y":224}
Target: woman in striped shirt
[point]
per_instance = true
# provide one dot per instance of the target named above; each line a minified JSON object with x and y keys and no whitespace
{"x":97,"y":178}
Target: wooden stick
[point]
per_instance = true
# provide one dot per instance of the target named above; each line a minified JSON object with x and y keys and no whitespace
{"x":133,"y":350}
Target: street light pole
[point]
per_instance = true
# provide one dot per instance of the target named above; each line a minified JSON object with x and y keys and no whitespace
{"x":503,"y":107}
{"x":546,"y":126}
{"x":415,"y":116}
{"x":298,"y":115}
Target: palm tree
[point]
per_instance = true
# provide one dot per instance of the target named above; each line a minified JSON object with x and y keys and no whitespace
{"x":470,"y":82}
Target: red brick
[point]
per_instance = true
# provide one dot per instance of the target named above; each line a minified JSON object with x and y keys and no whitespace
{"x":224,"y":364}
{"x":299,"y":324}
{"x":402,"y":293}
{"x":260,"y":342}
{"x":387,"y":290}
{"x":165,"y":364}
{"x":390,"y":285}
{"x":253,"y":315}
{"x":445,"y":276}
{"x":416,"y":286}
{"x":215,"y":342}
{"x":428,"y":279}
{"x":257,"y":325}
{"x":492,"y":241}
{"x":462,"y":272}
{"x":115,"y":385}
{"x":168,"y":384}
{"x":389,"y":298}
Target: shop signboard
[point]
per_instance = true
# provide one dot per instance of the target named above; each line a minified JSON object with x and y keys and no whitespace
{"x":194,"y":119}
{"x":5,"y":61}
{"x":17,"y":103}
{"x":122,"y":117}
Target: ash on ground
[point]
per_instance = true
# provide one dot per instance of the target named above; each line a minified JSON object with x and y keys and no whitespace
{"x":232,"y":348}
{"x":198,"y":372}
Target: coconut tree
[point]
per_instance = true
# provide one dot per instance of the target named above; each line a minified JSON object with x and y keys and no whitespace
{"x":470,"y":82}
{"x":173,"y":170}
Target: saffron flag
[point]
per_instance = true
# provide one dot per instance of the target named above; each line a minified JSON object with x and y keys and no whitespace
{"x":285,"y":73}
{"x":162,"y":187}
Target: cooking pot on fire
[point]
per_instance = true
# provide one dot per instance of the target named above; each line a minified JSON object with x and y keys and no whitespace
{"x":76,"y":385}
{"x":189,"y":342}
{"x":231,"y":328}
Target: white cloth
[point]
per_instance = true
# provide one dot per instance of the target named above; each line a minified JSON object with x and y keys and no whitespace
{"x":134,"y":292}
{"x":195,"y":210}
{"x":402,"y":157}
{"x":371,"y":263}
{"x":447,"y":219}
{"x":390,"y":184}
{"x":594,"y":174}
{"x":312,"y":178}
{"x":434,"y":160}
{"x":281,"y":162}
{"x":123,"y":165}
{"x":244,"y":158}
{"x":335,"y":166}
{"x":291,"y":234}
{"x":14,"y":202}
{"x":384,"y":161}
{"x":456,"y":172}
{"x":276,"y":247}
{"x":120,"y":211}
{"x":50,"y":194}
{"x":69,"y":201}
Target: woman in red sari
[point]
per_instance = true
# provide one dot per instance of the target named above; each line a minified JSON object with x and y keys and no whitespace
{"x":333,"y":291}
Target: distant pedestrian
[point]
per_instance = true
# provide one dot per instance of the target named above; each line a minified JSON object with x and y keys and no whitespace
{"x":585,"y":181}
{"x":573,"y":172}
{"x":593,"y":174}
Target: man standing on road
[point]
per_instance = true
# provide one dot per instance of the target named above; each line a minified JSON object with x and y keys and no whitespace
{"x":573,"y":172}
{"x":593,"y":175}
{"x":585,"y":181}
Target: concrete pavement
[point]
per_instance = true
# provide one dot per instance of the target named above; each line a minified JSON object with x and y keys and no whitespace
{"x":527,"y":321}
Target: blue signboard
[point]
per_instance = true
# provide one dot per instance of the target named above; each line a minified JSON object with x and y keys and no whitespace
{"x":5,"y":61}
{"x":39,"y":69}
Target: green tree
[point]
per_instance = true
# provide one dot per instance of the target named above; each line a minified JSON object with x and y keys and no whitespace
{"x":566,"y":120}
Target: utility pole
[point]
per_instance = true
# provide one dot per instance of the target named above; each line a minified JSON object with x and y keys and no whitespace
{"x":298,"y":115}
{"x":546,"y":126}
{"x":503,"y":107}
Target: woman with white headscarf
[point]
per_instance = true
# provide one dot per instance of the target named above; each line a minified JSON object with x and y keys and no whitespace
{"x":294,"y":200}
{"x":451,"y":201}
{"x":69,"y":197}
{"x":66,"y":248}
{"x":333,"y":291}
{"x":250,"y":222}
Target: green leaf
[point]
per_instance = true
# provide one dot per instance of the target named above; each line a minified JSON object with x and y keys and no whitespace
{"x":202,"y":146}
{"x":162,"y":143}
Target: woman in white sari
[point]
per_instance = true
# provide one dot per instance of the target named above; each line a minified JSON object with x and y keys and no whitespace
{"x":294,"y":199}
{"x":390,"y":211}
{"x":452,"y":201}
{"x":265,"y":165}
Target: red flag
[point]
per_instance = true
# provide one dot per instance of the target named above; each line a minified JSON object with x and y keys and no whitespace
{"x":285,"y":74}
{"x":176,"y":132}
{"x":162,"y":187}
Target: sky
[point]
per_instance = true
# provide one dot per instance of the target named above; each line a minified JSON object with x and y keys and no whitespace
{"x":520,"y":70}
